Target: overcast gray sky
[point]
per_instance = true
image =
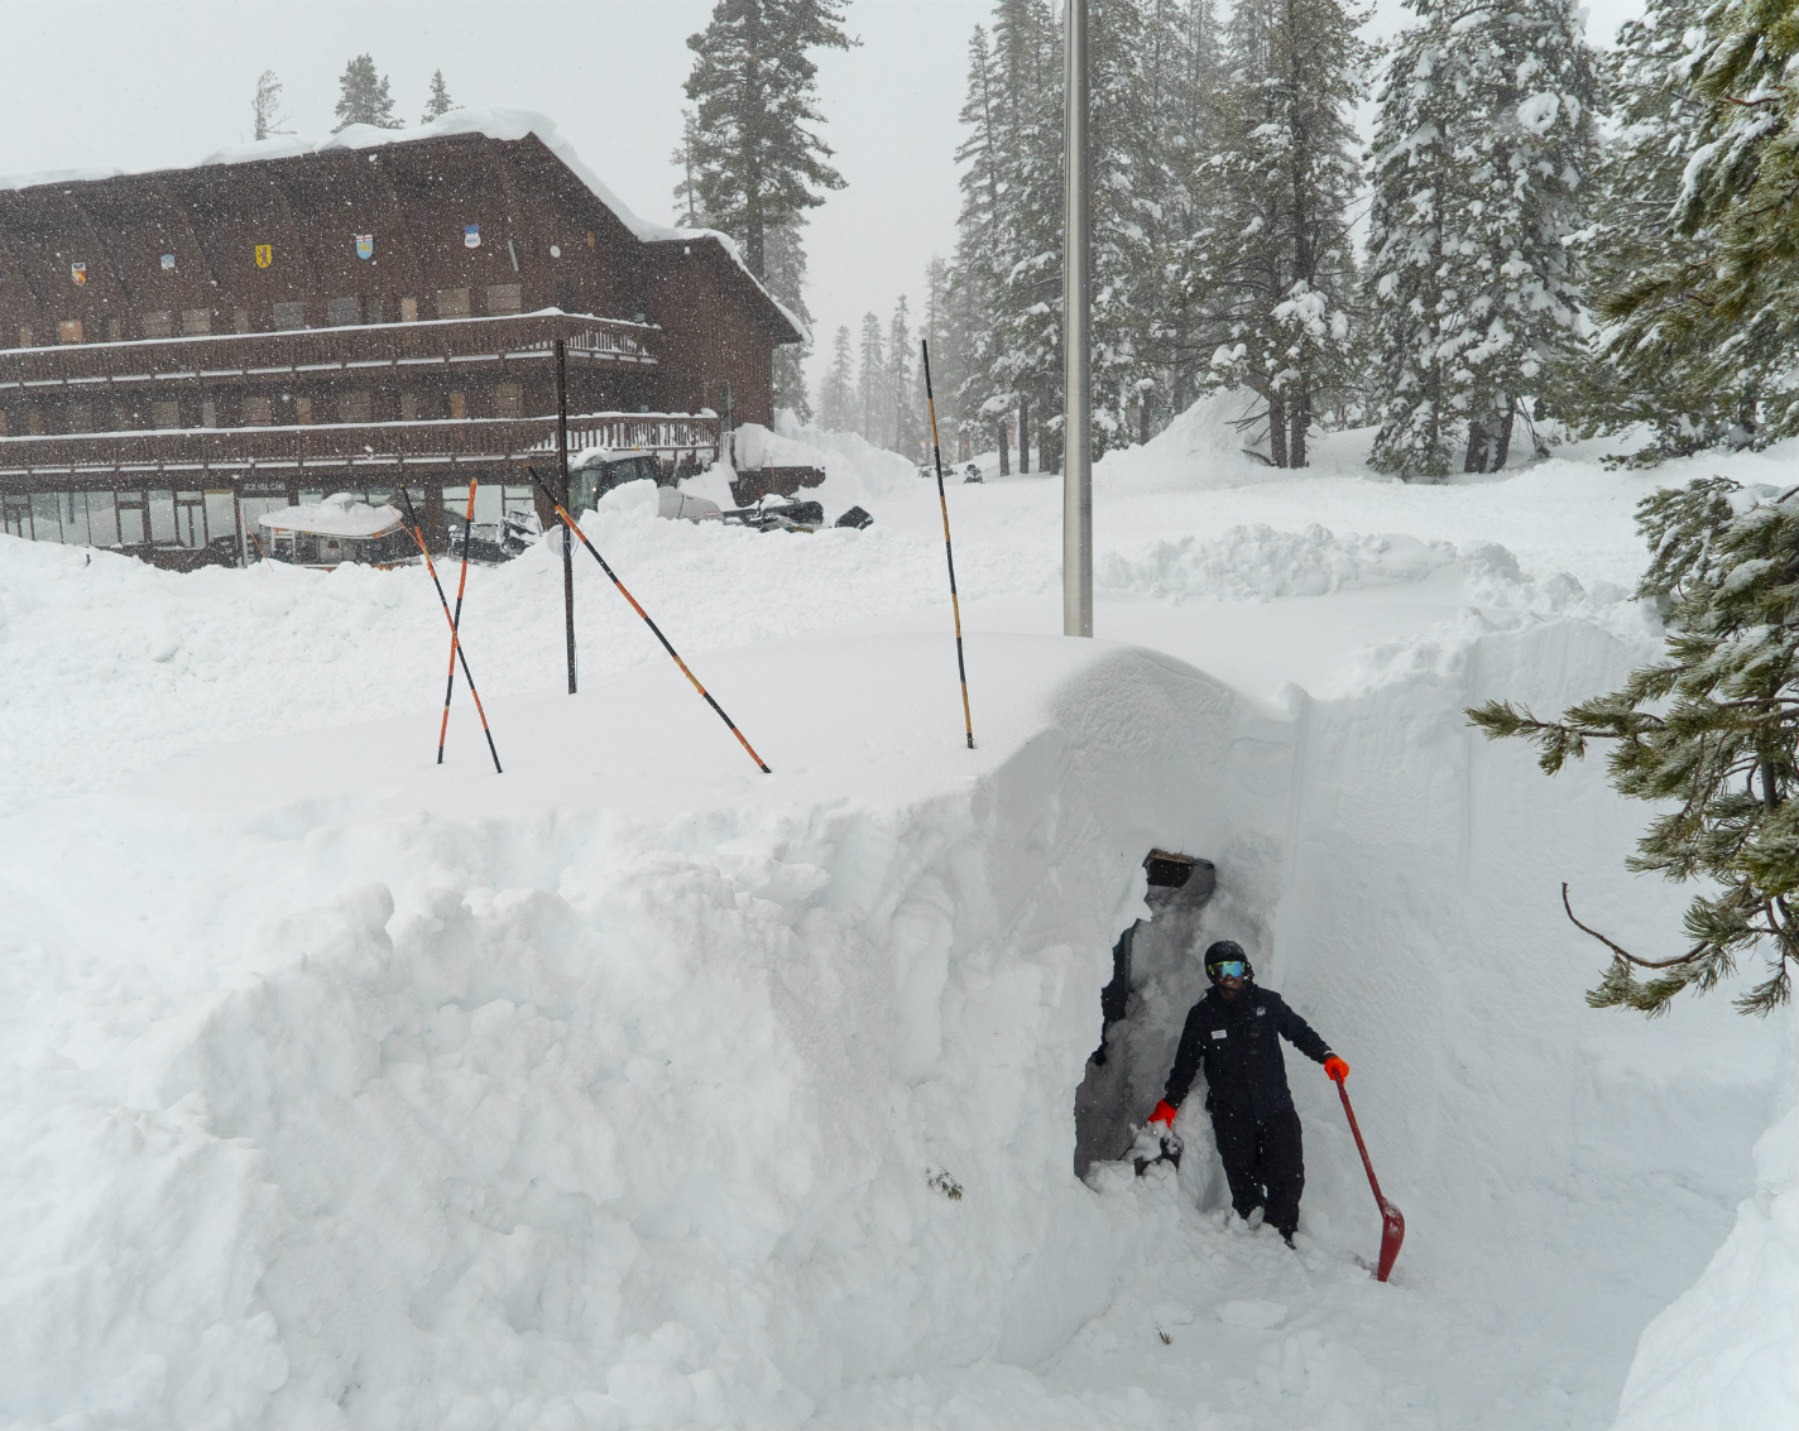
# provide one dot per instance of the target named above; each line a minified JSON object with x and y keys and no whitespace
{"x":146,"y":83}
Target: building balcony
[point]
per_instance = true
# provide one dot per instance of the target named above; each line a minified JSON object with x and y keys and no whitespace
{"x":316,"y":453}
{"x":80,"y":368}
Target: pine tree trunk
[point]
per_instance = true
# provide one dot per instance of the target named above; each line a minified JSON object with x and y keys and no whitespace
{"x":1277,"y":429}
{"x":1142,"y":419}
{"x":1299,"y":418}
{"x":1024,"y":434}
{"x":1005,"y":452}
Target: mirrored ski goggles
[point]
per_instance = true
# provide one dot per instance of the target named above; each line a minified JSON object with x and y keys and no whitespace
{"x":1229,"y":969}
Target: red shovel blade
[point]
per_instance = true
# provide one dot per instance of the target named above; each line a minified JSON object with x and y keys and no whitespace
{"x":1392,"y":1233}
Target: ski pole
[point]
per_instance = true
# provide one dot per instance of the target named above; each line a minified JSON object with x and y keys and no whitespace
{"x":569,"y":524}
{"x":418,"y":535}
{"x":468,"y":523}
{"x":949,"y":552}
{"x":1392,"y":1230}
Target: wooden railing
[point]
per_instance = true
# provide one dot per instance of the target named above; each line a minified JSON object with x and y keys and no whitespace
{"x":227,"y":455}
{"x":443,"y":343}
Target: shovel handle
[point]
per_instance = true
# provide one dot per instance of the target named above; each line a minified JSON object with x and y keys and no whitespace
{"x":1361,"y":1147}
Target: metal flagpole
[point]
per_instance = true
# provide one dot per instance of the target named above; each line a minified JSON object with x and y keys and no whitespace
{"x":1077,"y":454}
{"x":568,"y":547}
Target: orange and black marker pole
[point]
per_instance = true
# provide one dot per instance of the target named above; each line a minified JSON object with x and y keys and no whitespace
{"x":468,"y":523}
{"x":571,"y":525}
{"x":418,"y":536}
{"x":955,"y":603}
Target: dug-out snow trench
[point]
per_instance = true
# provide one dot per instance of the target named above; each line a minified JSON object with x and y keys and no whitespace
{"x":427,"y":1099}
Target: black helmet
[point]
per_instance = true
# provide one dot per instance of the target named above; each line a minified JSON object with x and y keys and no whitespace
{"x":1225,"y":950}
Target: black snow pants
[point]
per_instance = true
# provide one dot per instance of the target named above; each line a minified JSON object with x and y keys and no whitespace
{"x":1264,"y":1163}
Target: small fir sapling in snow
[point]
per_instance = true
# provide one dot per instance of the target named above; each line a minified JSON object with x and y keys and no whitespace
{"x":1712,"y":729}
{"x":363,"y":97}
{"x":1719,"y":308}
{"x":871,"y":386}
{"x":1483,"y":145}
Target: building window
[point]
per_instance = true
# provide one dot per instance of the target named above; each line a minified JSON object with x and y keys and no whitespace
{"x":68,"y":330}
{"x":165,"y":412}
{"x":25,"y":338}
{"x":209,"y":412}
{"x":196,"y":321}
{"x":81,"y":417}
{"x":240,"y":320}
{"x":409,"y":311}
{"x":289,"y":316}
{"x":342,"y":312}
{"x":34,"y":420}
{"x":409,"y":407}
{"x":302,"y":409}
{"x":258,"y":412}
{"x":505,"y":297}
{"x":3,"y":422}
{"x":458,"y":406}
{"x":508,"y":400}
{"x":452,"y":303}
{"x":377,"y":312}
{"x":113,"y":330}
{"x":157,"y":325}
{"x":354,"y":407}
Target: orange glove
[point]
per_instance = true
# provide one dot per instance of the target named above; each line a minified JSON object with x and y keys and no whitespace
{"x":1164,"y":1114}
{"x":1335,"y":1069}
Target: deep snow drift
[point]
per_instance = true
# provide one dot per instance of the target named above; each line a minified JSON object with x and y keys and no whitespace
{"x":636,"y":1088}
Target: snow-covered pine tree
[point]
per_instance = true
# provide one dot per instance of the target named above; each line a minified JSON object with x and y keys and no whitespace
{"x":1709,"y":736}
{"x":875,"y":418}
{"x":1724,"y":308}
{"x":1274,"y":257}
{"x":1483,"y":148}
{"x":786,"y":279}
{"x":758,"y":160}
{"x":839,"y":407}
{"x":939,"y":327}
{"x":438,"y":102}
{"x":903,"y":384}
{"x":363,"y":97}
{"x":1658,"y":117}
{"x":690,"y":213}
{"x":266,"y":107}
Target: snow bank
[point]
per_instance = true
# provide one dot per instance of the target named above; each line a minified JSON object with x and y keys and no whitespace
{"x":1204,"y":447}
{"x":1722,"y":1356}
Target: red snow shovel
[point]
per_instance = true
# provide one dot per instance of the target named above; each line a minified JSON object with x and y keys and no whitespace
{"x":1392,"y":1220}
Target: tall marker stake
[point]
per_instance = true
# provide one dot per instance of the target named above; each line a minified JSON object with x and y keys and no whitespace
{"x":568,"y":550}
{"x":955,"y":604}
{"x":468,"y":523}
{"x":569,"y":525}
{"x":418,"y":536}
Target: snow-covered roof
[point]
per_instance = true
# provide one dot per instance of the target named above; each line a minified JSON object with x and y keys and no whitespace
{"x":339,"y":515}
{"x":499,"y":122}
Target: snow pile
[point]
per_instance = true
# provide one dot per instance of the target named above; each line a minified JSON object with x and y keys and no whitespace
{"x":1259,"y":563}
{"x":1722,"y":1356}
{"x":637,"y":1088}
{"x":1205,"y":446}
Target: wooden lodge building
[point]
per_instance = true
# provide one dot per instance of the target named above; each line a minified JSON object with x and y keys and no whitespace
{"x":292,"y":319}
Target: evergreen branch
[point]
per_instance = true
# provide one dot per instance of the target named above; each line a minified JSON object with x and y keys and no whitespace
{"x":1624,"y":954}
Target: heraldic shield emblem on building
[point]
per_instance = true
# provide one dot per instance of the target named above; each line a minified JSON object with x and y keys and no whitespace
{"x":265,"y":254}
{"x":78,"y":272}
{"x":471,"y":235}
{"x":365,"y":245}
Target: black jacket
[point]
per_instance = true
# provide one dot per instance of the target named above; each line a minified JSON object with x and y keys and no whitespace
{"x":1238,"y":1045}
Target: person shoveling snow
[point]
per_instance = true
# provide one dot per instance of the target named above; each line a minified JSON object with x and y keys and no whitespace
{"x":1234,"y":1033}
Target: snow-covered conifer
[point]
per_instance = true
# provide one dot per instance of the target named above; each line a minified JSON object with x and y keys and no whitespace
{"x":903,"y":382}
{"x":757,"y":158}
{"x":266,"y":107}
{"x":363,"y":96}
{"x":438,"y":103}
{"x":1721,"y":307}
{"x":839,"y":408}
{"x":1483,"y":149}
{"x":875,"y":419}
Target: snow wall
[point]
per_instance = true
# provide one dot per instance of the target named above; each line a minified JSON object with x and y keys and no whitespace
{"x":336,"y":1097}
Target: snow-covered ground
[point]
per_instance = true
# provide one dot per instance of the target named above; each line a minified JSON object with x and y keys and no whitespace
{"x":634,"y":1087}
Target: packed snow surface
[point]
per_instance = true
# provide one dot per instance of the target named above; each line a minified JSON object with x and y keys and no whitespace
{"x":634,"y":1087}
{"x":340,"y":515}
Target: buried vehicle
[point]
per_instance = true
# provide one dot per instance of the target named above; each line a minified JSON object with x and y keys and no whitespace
{"x":337,"y":531}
